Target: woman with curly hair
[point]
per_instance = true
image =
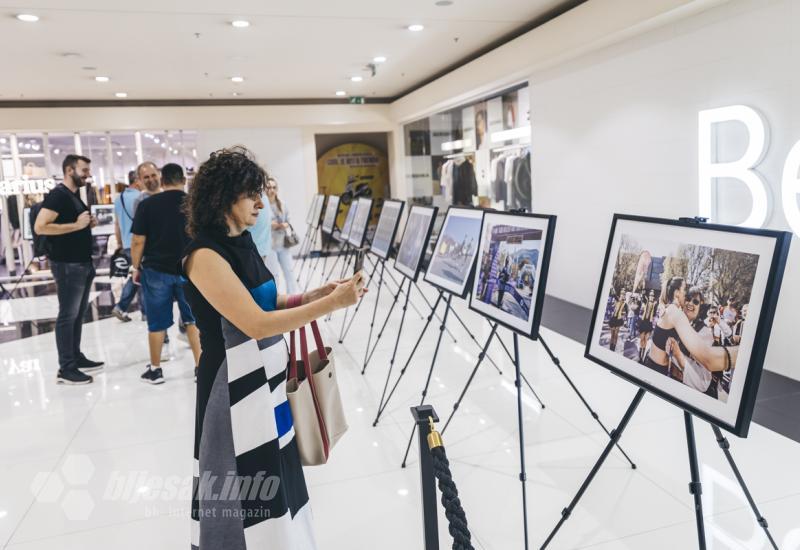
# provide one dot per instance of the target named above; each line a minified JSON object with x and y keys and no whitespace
{"x":249,"y":486}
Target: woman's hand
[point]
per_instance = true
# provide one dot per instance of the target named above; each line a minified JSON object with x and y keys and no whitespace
{"x":346,"y":294}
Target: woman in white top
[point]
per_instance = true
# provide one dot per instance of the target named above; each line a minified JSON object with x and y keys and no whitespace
{"x":280,"y":258}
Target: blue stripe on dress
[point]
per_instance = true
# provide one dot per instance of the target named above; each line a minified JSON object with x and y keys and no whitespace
{"x":266,"y":295}
{"x":283,"y":418}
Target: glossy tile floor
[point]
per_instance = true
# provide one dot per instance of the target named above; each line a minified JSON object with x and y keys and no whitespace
{"x":109,"y":465}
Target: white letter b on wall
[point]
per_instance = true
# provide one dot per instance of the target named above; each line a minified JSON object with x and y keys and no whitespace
{"x":742,"y":169}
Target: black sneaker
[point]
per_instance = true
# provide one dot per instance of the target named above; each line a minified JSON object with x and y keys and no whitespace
{"x":87,"y":365}
{"x":153,"y":375}
{"x":121,"y":315}
{"x":166,"y":338}
{"x":73,"y":378}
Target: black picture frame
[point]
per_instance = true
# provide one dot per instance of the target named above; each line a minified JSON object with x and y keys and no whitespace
{"x":420,"y":253}
{"x":755,"y":367}
{"x":311,"y":206}
{"x":469,"y":280}
{"x":396,"y":225}
{"x":331,"y":202}
{"x":358,"y":234}
{"x":544,"y":258}
{"x":319,"y":208}
{"x":344,"y":232}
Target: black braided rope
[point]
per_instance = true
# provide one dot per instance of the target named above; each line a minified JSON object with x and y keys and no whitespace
{"x":456,"y":518}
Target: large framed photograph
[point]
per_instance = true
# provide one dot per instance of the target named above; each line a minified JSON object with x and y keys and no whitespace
{"x":331,"y":211}
{"x":360,"y":222}
{"x":386,"y":231}
{"x":311,"y":208}
{"x":104,"y":213}
{"x":344,"y":234}
{"x":453,"y":258}
{"x":419,"y":226}
{"x":511,"y":273}
{"x":684,"y":310}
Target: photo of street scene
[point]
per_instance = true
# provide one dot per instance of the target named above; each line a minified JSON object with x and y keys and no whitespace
{"x":415,"y":238}
{"x":506,"y":285}
{"x":455,"y":250}
{"x":680,"y":310}
{"x":382,"y":243}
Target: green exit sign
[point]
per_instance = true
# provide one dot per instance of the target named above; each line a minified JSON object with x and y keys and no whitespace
{"x":357,"y":100}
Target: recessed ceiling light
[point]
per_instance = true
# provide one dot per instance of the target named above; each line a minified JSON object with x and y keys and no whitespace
{"x":236,"y":94}
{"x":240,"y":23}
{"x":28,"y":17}
{"x":416,"y":27}
{"x":356,"y":78}
{"x":56,"y":151}
{"x":379,"y":59}
{"x":119,"y":153}
{"x":237,"y":79}
{"x":121,"y":94}
{"x":156,"y":140}
{"x":101,"y":79}
{"x":444,"y":3}
{"x":341,"y":93}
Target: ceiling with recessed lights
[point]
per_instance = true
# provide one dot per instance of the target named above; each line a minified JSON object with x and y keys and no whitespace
{"x":190,"y":49}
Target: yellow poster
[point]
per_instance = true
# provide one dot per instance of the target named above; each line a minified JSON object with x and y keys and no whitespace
{"x":353,"y":171}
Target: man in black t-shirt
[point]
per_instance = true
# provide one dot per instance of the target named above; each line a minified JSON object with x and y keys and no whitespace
{"x":159,"y":237}
{"x":64,"y":218}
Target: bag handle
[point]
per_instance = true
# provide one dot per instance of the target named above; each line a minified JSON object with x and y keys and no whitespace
{"x":323,"y":430}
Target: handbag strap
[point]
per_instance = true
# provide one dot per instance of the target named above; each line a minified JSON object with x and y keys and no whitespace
{"x":323,"y":431}
{"x":292,"y":374}
{"x":323,"y":355}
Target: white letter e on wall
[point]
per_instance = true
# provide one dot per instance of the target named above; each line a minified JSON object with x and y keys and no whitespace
{"x":741,"y":169}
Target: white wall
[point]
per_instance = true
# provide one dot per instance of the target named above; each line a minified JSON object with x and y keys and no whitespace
{"x":616,"y":131}
{"x":278,"y":150}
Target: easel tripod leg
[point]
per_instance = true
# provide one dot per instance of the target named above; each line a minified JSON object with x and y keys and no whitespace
{"x":520,"y":427}
{"x":695,"y":486}
{"x":616,"y":434}
{"x":557,"y":362}
{"x":726,"y":446}
{"x":430,"y":372}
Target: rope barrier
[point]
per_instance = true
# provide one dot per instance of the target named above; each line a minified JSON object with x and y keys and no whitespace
{"x":456,"y":518}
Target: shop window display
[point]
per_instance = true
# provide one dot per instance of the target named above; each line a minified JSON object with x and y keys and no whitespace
{"x":474,"y":155}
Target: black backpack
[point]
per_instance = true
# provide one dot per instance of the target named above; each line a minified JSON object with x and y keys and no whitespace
{"x":42,"y":246}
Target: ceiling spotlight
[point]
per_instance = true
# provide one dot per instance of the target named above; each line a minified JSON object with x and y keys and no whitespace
{"x":356,"y":78}
{"x":101,"y":79}
{"x":237,"y":79}
{"x":416,"y":27}
{"x":163,"y":145}
{"x":379,"y":59}
{"x":121,"y":95}
{"x":156,"y":140}
{"x":240,"y":24}
{"x":341,"y":93}
{"x":119,"y":153}
{"x":28,"y":17}
{"x":443,"y":3}
{"x":236,"y":94}
{"x":56,"y":151}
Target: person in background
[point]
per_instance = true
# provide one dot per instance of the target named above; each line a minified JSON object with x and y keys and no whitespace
{"x":617,"y":319}
{"x":261,"y":233}
{"x":65,"y":219}
{"x":280,"y":259}
{"x":159,"y":237}
{"x":124,"y":212}
{"x":149,"y":179}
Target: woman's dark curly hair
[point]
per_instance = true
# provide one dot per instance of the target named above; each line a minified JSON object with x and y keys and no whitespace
{"x":223,"y":179}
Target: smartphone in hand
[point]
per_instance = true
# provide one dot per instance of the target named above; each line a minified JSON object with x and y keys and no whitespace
{"x":359,"y":264}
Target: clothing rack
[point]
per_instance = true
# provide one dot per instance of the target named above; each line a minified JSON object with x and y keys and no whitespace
{"x":510,"y":147}
{"x":459,"y":155}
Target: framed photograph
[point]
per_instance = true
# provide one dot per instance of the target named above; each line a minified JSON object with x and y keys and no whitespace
{"x":311,"y":208}
{"x":385,"y":233}
{"x":317,"y":213}
{"x":331,"y":211}
{"x":105,"y":219}
{"x":511,"y":273}
{"x":344,"y":234}
{"x":684,"y":310}
{"x":453,"y":259}
{"x":415,"y":238}
{"x":359,"y":228}
{"x":27,"y":232}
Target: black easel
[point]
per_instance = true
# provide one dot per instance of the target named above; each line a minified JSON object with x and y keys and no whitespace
{"x":304,"y":245}
{"x":326,"y":251}
{"x":315,"y":231}
{"x":695,"y":485}
{"x":383,"y":404}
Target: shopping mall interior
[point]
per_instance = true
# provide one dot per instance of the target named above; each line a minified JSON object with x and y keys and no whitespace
{"x":402,"y":275}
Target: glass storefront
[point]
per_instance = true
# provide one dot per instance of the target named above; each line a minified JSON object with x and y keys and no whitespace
{"x":38,"y":156}
{"x":472,"y":155}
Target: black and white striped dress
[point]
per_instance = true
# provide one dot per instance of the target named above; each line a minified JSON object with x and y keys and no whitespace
{"x":249,"y":488}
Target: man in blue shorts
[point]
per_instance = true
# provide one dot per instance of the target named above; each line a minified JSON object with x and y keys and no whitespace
{"x":159,"y":237}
